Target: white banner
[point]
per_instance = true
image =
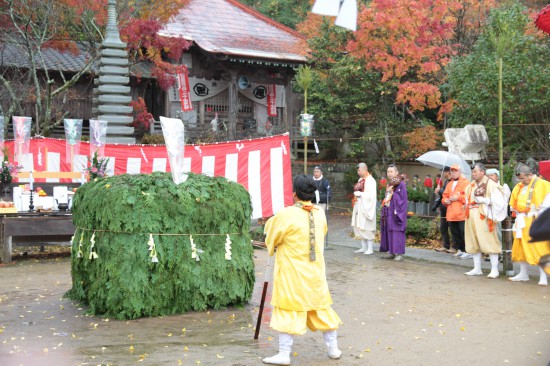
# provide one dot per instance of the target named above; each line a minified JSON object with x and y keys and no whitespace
{"x":258,"y":93}
{"x":22,"y":136}
{"x":98,"y":137}
{"x":73,"y":134}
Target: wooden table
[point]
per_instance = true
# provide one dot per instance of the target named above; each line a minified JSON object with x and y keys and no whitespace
{"x":33,"y":228}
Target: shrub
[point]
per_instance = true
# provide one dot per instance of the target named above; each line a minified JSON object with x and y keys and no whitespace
{"x":417,"y":195}
{"x":130,"y":221}
{"x":420,"y":229}
{"x":152,"y":139}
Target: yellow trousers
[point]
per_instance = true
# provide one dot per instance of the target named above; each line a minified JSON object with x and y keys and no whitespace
{"x":295,"y":322}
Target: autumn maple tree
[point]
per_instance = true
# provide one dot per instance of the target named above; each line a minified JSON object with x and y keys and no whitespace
{"x":35,"y":27}
{"x":410,"y":43}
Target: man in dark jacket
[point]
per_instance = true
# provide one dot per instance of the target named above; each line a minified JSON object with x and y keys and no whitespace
{"x":443,"y":224}
{"x":323,"y":195}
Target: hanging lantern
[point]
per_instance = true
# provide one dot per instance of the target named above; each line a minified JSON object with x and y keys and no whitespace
{"x":306,"y":124}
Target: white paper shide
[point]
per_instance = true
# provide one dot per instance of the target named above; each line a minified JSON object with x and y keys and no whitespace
{"x":174,"y":137}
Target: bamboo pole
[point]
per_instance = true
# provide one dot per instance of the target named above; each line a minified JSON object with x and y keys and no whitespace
{"x":305,"y":137}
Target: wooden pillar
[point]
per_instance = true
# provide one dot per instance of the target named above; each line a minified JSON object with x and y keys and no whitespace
{"x":5,"y":245}
{"x":233,"y":106}
{"x":507,"y":240}
{"x":201,"y":113}
{"x":288,"y":111}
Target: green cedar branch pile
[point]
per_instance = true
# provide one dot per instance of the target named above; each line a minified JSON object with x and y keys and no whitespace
{"x":123,"y":283}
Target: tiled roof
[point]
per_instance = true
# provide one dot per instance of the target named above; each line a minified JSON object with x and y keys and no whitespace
{"x":217,"y":26}
{"x":12,"y":56}
{"x":230,"y":28}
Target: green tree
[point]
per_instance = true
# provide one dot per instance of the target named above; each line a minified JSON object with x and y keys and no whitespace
{"x":473,"y":84}
{"x":287,"y":12}
{"x":343,"y":94}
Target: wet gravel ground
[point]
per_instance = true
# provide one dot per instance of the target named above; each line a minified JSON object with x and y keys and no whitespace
{"x":394,"y":313}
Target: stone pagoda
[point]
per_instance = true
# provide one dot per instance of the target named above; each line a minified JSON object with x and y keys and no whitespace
{"x":112,"y":94}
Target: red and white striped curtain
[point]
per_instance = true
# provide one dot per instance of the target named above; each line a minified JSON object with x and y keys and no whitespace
{"x":262,"y":165}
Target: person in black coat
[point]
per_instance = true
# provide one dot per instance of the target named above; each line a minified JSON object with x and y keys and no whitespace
{"x":323,"y":195}
{"x":443,"y":224}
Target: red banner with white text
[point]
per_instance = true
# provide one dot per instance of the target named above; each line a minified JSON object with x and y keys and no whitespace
{"x":271,"y":100}
{"x":184,"y":89}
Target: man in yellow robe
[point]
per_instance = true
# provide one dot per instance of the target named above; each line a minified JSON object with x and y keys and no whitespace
{"x":529,"y":198}
{"x":300,"y":296}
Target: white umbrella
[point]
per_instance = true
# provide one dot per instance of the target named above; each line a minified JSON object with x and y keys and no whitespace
{"x":440,"y":159}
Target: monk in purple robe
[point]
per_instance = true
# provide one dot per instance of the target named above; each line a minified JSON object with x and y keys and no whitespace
{"x":393,"y":216}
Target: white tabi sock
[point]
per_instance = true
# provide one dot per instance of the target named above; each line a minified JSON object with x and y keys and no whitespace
{"x":522,"y":275}
{"x":363,"y":246}
{"x":543,"y":278}
{"x":477,"y":266}
{"x":494,"y":266}
{"x":331,"y":340}
{"x":369,"y":250}
{"x":285,"y":347}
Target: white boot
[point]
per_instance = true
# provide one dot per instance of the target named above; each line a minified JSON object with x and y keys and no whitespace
{"x":543,"y":278}
{"x":522,"y":275}
{"x":363,"y":247}
{"x":477,"y":266}
{"x":369,"y":250}
{"x":285,"y":347}
{"x":331,"y":340}
{"x":494,"y":266}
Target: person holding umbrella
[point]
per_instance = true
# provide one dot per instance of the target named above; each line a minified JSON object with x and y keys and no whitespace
{"x":300,"y":298}
{"x":443,"y":224}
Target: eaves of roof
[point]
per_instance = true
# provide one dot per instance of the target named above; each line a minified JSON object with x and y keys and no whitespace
{"x":11,"y":55}
{"x":233,"y":29}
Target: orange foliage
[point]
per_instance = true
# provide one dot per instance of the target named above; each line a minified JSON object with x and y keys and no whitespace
{"x":410,"y":42}
{"x":311,"y":26}
{"x":419,"y":95}
{"x":159,"y":10}
{"x":422,"y":140}
{"x":446,"y":107}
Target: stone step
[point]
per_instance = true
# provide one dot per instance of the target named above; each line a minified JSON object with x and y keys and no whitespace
{"x":118,"y":99}
{"x":116,"y":119}
{"x":113,"y":61}
{"x":115,"y":45}
{"x":111,"y":79}
{"x":113,"y":89}
{"x":114,"y":70}
{"x":109,"y":52}
{"x":115,"y":109}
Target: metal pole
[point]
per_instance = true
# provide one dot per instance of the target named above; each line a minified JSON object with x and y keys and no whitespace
{"x":507,"y":239}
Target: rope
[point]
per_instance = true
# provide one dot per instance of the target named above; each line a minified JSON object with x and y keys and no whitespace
{"x":159,"y":234}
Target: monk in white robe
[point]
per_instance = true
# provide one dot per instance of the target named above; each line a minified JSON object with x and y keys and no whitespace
{"x":363,"y":218}
{"x":300,"y":296}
